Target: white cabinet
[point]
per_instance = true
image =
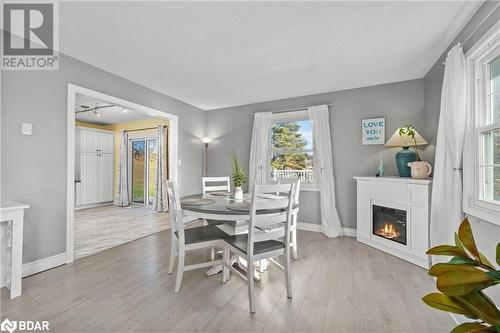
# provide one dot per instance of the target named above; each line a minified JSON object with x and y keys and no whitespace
{"x":88,"y":178}
{"x":410,"y":198}
{"x":92,"y":141}
{"x":105,"y":177}
{"x":95,"y":166}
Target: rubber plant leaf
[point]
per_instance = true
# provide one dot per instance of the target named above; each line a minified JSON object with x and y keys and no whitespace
{"x":485,"y":261}
{"x":472,"y":327}
{"x":481,"y":306}
{"x":463,"y":261}
{"x":441,"y":268}
{"x":457,"y":241}
{"x":445,"y":303}
{"x":447,"y":250}
{"x":467,"y":238}
{"x":459,"y":282}
{"x":495,"y":275}
{"x":498,"y":253}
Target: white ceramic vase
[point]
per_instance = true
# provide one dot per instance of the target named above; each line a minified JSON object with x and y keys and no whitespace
{"x":238,"y":193}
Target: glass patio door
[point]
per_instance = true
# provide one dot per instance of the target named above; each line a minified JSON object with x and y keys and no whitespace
{"x":144,"y":153}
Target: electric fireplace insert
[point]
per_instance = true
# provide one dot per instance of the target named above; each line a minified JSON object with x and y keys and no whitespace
{"x":389,"y":223}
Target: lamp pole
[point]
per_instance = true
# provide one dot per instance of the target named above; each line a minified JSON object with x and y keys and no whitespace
{"x":206,"y":141}
{"x":205,"y":163}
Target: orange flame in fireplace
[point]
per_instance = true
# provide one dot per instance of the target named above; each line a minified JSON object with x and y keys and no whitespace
{"x":388,"y":231}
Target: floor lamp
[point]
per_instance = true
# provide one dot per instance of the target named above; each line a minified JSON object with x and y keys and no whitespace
{"x":206,"y":141}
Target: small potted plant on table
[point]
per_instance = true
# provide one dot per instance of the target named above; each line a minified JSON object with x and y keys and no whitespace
{"x":238,"y":176}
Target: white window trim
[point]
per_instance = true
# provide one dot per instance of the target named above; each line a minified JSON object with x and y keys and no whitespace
{"x":291,"y":116}
{"x":486,"y":49}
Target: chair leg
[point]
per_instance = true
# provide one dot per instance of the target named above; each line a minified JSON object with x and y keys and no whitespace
{"x":294,"y":244}
{"x":180,"y":268}
{"x":288,"y":278}
{"x":173,"y":251}
{"x":212,"y":253}
{"x":225,"y":263}
{"x":251,"y":283}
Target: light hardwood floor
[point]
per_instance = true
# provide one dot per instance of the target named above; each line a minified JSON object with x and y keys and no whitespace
{"x":101,"y":228}
{"x":339,"y":285}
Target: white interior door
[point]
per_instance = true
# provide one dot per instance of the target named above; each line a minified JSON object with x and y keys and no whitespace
{"x":88,"y":161}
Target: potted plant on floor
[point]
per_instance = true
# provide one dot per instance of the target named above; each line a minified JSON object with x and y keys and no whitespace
{"x":461,"y":282}
{"x":238,"y":176}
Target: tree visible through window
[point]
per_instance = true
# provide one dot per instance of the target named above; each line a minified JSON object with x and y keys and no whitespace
{"x":292,"y":151}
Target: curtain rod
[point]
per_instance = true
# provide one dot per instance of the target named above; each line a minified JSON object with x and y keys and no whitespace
{"x":143,"y":129}
{"x":289,"y":110}
{"x":476,"y":28}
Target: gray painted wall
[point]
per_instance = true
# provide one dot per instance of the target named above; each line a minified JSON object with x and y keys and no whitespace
{"x":34,"y":167}
{"x":400,"y":103}
{"x":487,"y":234}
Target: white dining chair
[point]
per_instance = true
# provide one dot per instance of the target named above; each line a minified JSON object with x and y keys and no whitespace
{"x":222,"y":184}
{"x":268,"y":235}
{"x":213,"y":184}
{"x":293,"y":226}
{"x":186,"y":239}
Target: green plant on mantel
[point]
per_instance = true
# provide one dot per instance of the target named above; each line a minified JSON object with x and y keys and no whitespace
{"x":461,"y":282}
{"x":239,"y":177}
{"x":409,"y":131}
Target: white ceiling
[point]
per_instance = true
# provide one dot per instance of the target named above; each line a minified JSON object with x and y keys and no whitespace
{"x":108,"y":116}
{"x":220,"y":54}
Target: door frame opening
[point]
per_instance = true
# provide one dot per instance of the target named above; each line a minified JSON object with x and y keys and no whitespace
{"x":173,"y":153}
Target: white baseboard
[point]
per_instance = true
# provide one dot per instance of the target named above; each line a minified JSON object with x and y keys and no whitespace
{"x":349,"y":232}
{"x":309,"y":227}
{"x":44,"y":264}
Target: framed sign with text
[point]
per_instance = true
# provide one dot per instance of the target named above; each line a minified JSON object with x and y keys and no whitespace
{"x":373,"y":131}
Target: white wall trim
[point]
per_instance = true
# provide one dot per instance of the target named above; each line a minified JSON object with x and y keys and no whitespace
{"x":173,"y":146}
{"x":309,"y":227}
{"x":44,"y":264}
{"x":349,"y":232}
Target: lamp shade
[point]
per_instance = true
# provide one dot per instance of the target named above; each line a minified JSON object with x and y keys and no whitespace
{"x":397,"y":140}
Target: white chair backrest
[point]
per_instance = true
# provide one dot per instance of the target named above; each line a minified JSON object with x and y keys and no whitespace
{"x":175,"y":210}
{"x":297,"y":193}
{"x":222,"y":184}
{"x":270,"y":213}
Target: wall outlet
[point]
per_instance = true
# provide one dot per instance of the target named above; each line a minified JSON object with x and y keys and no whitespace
{"x":180,"y":162}
{"x":27,"y":128}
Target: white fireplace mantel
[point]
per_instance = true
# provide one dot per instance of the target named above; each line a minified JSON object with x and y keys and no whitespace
{"x":411,"y":195}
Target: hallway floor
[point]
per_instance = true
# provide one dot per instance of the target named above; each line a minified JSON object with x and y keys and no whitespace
{"x":100,"y":228}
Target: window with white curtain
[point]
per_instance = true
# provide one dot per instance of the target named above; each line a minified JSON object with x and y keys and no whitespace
{"x":291,"y":149}
{"x":482,"y":163}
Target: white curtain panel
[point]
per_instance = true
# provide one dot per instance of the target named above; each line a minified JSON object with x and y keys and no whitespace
{"x":123,"y":171}
{"x":446,"y":208}
{"x":330,"y":220}
{"x":259,"y":149}
{"x":160,"y":204}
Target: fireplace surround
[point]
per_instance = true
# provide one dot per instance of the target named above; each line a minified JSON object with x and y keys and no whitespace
{"x":393,"y":216}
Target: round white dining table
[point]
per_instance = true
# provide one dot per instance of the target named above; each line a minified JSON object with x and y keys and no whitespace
{"x":235,"y":219}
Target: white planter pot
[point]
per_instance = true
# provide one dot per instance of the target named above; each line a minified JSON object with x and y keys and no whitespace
{"x":238,"y":193}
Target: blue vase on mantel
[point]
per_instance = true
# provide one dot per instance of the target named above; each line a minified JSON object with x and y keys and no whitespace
{"x":403,"y":157}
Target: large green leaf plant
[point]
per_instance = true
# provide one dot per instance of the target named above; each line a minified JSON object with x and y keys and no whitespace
{"x":461,"y":282}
